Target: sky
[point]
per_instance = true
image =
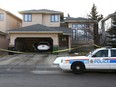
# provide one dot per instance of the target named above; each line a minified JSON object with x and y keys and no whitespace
{"x":76,"y":8}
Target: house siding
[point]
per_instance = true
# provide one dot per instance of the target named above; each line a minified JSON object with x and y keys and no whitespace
{"x":12,"y":23}
{"x":3,"y":22}
{"x":47,"y":21}
{"x":43,"y":19}
{"x":3,"y":42}
{"x":9,"y":22}
{"x":36,"y":19}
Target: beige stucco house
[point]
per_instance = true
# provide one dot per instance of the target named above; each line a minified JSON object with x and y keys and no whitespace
{"x":3,"y":40}
{"x":40,"y":26}
{"x":8,"y":21}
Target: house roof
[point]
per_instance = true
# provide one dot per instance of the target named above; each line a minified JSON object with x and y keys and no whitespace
{"x":79,"y":19}
{"x":38,"y":28}
{"x":47,"y":11}
{"x":2,"y":33}
{"x":11,"y":14}
{"x":109,"y":16}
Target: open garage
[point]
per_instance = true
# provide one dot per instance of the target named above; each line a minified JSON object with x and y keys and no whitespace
{"x":27,"y":44}
{"x":28,"y":39}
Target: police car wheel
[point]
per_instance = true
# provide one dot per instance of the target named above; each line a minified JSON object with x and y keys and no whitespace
{"x":77,"y":68}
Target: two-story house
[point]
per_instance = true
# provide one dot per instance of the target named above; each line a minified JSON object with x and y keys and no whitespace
{"x":82,"y":30}
{"x":40,"y":26}
{"x":8,"y":21}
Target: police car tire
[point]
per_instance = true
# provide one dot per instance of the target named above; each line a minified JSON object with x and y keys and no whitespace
{"x":77,"y":68}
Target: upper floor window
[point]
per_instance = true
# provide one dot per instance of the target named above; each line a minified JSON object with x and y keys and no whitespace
{"x":54,"y":18}
{"x":81,"y":34}
{"x":78,"y":26}
{"x":27,"y":17}
{"x":1,"y":16}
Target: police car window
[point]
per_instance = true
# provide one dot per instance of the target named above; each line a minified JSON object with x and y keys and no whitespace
{"x":113,"y":53}
{"x":101,"y":53}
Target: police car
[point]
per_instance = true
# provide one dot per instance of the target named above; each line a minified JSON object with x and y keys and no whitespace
{"x":101,"y":58}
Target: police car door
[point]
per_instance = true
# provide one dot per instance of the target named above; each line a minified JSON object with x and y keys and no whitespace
{"x":113,"y":59}
{"x":100,"y":60}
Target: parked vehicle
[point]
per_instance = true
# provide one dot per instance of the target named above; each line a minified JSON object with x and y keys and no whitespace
{"x":43,"y":46}
{"x":101,"y":58}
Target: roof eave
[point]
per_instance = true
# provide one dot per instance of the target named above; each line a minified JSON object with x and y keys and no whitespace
{"x":10,"y":32}
{"x":73,"y":21}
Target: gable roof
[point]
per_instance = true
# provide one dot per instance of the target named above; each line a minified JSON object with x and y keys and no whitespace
{"x":2,"y":33}
{"x":11,"y":14}
{"x":38,"y":28}
{"x":42,"y":11}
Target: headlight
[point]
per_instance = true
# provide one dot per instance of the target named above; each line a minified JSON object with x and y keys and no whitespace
{"x":64,"y":61}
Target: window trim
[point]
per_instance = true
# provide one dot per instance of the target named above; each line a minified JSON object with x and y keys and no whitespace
{"x":54,"y":18}
{"x":1,"y":16}
{"x":29,"y":17}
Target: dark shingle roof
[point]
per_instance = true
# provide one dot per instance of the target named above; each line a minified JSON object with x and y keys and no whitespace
{"x":79,"y":19}
{"x":41,"y":11}
{"x":65,"y":30}
{"x":38,"y":28}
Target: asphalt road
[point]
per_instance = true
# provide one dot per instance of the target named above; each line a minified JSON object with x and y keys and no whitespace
{"x":33,"y":70}
{"x":57,"y":79}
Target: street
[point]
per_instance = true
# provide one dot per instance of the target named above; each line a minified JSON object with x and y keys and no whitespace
{"x":57,"y":79}
{"x":37,"y":70}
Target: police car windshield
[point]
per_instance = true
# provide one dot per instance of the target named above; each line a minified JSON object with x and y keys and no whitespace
{"x":89,"y":53}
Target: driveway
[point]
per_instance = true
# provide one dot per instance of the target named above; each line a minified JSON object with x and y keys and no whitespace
{"x":29,"y":61}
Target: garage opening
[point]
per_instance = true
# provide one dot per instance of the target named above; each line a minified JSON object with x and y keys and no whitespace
{"x":34,"y":44}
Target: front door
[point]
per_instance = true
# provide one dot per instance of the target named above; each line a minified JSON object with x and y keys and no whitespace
{"x":63,"y":40}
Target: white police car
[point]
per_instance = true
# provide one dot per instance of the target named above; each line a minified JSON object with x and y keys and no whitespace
{"x":101,"y":58}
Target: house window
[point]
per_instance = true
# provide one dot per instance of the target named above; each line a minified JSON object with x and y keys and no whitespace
{"x":74,"y":25}
{"x":78,"y":26}
{"x":1,"y":16}
{"x":74,"y":34}
{"x":27,"y":17}
{"x":54,"y":18}
{"x":80,"y":34}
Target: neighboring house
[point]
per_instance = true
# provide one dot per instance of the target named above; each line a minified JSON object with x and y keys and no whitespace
{"x":104,"y":25}
{"x":82,"y":30}
{"x":3,"y":41}
{"x":8,"y":21}
{"x":40,"y":26}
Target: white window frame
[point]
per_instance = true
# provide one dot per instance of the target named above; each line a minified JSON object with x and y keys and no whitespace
{"x":1,"y":16}
{"x":27,"y":18}
{"x":55,"y":18}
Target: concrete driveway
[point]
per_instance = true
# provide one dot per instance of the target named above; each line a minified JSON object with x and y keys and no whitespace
{"x":29,"y":61}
